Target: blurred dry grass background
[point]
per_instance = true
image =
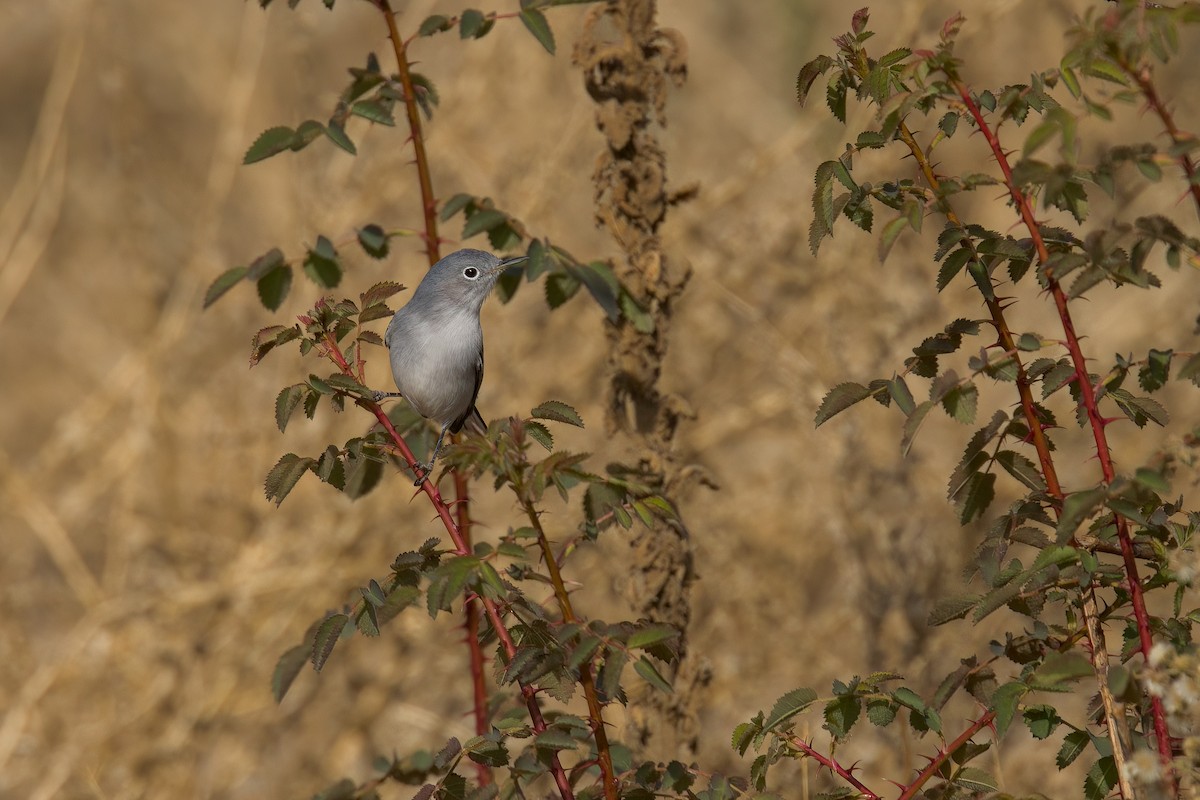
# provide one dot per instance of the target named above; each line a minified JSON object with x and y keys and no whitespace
{"x":147,"y":586}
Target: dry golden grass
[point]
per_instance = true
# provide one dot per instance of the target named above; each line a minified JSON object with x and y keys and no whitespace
{"x":147,"y":586}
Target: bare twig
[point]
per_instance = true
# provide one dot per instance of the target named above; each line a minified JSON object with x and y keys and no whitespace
{"x":586,"y":680}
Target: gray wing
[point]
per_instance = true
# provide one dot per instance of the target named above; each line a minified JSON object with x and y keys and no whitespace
{"x":471,"y":417}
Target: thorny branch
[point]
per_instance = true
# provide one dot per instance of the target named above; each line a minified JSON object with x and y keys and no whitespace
{"x":1088,"y":401}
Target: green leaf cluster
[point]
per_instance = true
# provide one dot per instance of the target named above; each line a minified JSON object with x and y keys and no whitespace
{"x":1053,"y":547}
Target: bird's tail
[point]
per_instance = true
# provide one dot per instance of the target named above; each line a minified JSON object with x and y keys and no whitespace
{"x":474,"y":422}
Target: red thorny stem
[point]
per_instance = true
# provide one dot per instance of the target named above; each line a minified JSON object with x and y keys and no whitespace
{"x":1141,"y":76}
{"x":428,"y":201}
{"x":1004,"y":335}
{"x":1089,"y":607}
{"x":834,"y":766}
{"x":911,"y":790}
{"x":461,"y":547}
{"x":1097,"y":422}
{"x":432,"y":250}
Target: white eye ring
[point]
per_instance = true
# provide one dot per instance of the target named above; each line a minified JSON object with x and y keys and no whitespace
{"x":470,"y":273}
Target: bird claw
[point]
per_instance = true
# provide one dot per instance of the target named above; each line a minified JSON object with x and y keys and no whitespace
{"x":422,"y":471}
{"x":381,"y":396}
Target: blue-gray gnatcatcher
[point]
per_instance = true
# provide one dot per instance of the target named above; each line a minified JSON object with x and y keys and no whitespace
{"x":436,"y":343}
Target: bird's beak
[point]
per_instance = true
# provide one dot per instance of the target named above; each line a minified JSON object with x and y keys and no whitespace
{"x":510,"y":262}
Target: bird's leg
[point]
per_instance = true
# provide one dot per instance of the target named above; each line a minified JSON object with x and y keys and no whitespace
{"x":423,"y":470}
{"x":381,"y":396}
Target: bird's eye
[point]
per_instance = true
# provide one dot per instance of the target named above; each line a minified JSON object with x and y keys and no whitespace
{"x":470,"y":273}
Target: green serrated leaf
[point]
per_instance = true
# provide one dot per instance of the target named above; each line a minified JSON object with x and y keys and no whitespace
{"x":1100,"y":779}
{"x":540,"y":434}
{"x":472,"y":24}
{"x":789,"y":706}
{"x":337,"y":135}
{"x":995,"y":599}
{"x":535,"y":22}
{"x":976,"y":780}
{"x":1004,"y":702}
{"x":1054,"y":556}
{"x":1153,"y":480}
{"x":909,"y":699}
{"x":961,"y":403}
{"x":1073,"y":745}
{"x":557,"y":412}
{"x":445,"y":757}
{"x":374,"y":241}
{"x":447,"y":582}
{"x":560,"y":287}
{"x":435,"y":23}
{"x":1060,"y":668}
{"x":898,"y":390}
{"x":270,"y":142}
{"x":651,"y":675}
{"x":602,"y":285}
{"x":952,"y":266}
{"x":482,"y":221}
{"x":841,"y":714}
{"x":286,"y":670}
{"x":373,"y":110}
{"x":287,"y":402}
{"x":274,"y":286}
{"x":744,"y":735}
{"x":308,"y":131}
{"x":362,"y":475}
{"x":952,"y":608}
{"x":881,"y":712}
{"x":326,"y":637}
{"x":650,"y":635}
{"x":1076,"y":508}
{"x":1190,"y":370}
{"x":455,"y":204}
{"x":1022,"y":469}
{"x":642,"y":321}
{"x":555,"y":740}
{"x":1156,"y":370}
{"x":229,"y":278}
{"x":838,"y":399}
{"x":346,"y":383}
{"x":808,"y":75}
{"x":265,"y":264}
{"x":912,"y":425}
{"x":1042,"y":720}
{"x":321,"y":264}
{"x":891,"y":232}
{"x":284,"y":475}
{"x":379,"y":292}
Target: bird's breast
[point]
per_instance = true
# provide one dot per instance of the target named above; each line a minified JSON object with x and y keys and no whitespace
{"x":434,"y":357}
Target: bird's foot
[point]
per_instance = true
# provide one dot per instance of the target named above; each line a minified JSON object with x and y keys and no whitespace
{"x":422,"y":472}
{"x":381,"y":396}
